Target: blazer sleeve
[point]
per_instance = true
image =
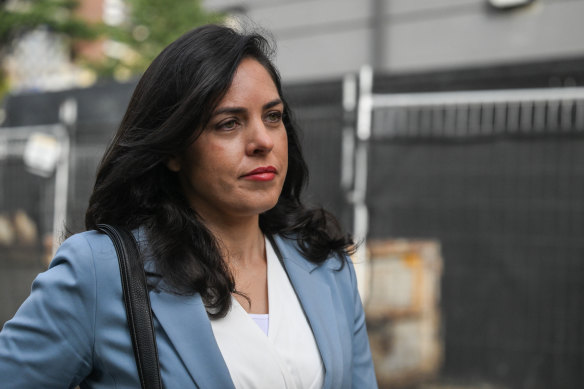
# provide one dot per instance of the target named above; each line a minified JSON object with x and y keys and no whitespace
{"x":363,"y":371}
{"x":49,"y":341}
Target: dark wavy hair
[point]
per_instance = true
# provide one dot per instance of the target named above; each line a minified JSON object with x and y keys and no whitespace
{"x":171,"y":104}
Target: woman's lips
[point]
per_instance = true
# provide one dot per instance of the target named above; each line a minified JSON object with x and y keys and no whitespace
{"x":264,"y":173}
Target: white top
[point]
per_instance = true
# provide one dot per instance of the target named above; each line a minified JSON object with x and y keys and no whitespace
{"x":287,"y":357}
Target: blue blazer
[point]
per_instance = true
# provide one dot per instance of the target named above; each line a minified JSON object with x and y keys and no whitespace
{"x":72,"y":328}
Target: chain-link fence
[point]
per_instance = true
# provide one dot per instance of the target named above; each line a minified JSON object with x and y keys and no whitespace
{"x":33,"y":176}
{"x":498,"y":178}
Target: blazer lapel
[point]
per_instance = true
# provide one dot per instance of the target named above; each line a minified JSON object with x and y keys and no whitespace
{"x":316,"y":300}
{"x":187,"y":325}
{"x":185,"y":321}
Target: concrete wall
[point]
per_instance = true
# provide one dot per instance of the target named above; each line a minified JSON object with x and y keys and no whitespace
{"x":328,"y":38}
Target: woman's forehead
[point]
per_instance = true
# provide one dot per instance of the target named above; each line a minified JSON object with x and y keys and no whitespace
{"x":252,"y":83}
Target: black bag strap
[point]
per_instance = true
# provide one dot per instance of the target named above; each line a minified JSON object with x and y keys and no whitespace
{"x":137,"y":303}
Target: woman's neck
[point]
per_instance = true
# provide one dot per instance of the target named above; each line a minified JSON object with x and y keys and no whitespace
{"x":242,"y":245}
{"x":241,"y":241}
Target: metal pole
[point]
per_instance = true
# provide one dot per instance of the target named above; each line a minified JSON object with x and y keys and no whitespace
{"x":348,"y":141}
{"x":361,"y":213}
{"x":68,"y":116}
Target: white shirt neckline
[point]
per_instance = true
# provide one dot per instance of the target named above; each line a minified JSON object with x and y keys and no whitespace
{"x":288,"y":356}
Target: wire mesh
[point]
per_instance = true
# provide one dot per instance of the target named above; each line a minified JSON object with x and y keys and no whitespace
{"x":26,"y":221}
{"x":501,"y":185}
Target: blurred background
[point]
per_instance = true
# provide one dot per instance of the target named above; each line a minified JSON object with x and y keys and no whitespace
{"x":447,"y":135}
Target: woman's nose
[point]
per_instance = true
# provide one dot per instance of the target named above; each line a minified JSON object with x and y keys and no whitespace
{"x":260,"y":139}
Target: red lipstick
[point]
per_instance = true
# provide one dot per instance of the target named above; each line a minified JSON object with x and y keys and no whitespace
{"x":264,"y":173}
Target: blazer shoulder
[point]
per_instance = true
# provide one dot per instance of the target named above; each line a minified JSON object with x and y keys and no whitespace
{"x":89,"y":250}
{"x":92,"y":239}
{"x":291,"y":252}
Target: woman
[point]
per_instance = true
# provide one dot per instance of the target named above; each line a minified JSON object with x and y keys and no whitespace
{"x":249,"y":289}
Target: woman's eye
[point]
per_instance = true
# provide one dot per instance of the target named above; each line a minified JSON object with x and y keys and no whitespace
{"x":228,"y":125}
{"x":274,"y":117}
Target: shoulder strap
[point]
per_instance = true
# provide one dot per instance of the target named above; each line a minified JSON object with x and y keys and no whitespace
{"x":137,"y":303}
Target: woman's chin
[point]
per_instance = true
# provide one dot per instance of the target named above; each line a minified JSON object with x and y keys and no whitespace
{"x":257,"y":208}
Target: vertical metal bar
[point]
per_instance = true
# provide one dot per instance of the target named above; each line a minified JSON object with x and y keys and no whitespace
{"x":539,"y":112}
{"x":474,"y":119}
{"x":579,"y":120}
{"x":552,"y":122}
{"x":487,"y":115}
{"x":425,"y":121}
{"x":348,"y":141}
{"x":449,"y":120}
{"x":461,"y":126}
{"x":3,"y":156}
{"x":401,"y":126}
{"x":438,"y":120}
{"x":513,"y":117}
{"x":526,"y":121}
{"x":361,"y":214}
{"x":365,"y":103}
{"x":68,"y":116}
{"x":500,"y":123}
{"x":566,"y":115}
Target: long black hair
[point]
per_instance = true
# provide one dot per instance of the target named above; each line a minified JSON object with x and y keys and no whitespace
{"x":171,"y":104}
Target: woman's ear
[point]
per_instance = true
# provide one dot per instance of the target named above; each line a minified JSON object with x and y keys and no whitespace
{"x":173,"y":164}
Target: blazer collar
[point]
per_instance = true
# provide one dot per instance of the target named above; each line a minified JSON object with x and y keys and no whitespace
{"x":289,"y":251}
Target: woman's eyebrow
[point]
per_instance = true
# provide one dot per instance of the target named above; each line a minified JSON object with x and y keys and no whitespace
{"x":229,"y":110}
{"x":238,"y":110}
{"x":272,"y":103}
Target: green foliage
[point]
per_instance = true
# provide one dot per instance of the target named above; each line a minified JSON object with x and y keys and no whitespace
{"x":17,"y":17}
{"x":151,"y":26}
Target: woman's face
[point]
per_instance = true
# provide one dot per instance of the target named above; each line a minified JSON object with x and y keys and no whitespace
{"x":237,"y":166}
